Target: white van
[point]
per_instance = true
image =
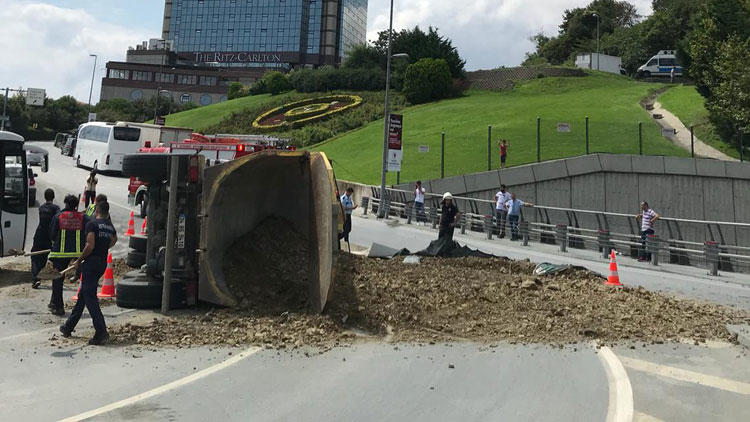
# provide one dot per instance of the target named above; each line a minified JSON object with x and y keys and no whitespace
{"x":661,"y":65}
{"x":101,"y":146}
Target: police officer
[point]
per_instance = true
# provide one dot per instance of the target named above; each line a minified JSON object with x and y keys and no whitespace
{"x":449,"y":217}
{"x":42,"y":241}
{"x":100,"y":236}
{"x":67,"y":243}
{"x":349,"y":206}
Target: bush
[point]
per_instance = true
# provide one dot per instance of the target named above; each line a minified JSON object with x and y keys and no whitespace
{"x":427,"y":80}
{"x":328,"y":79}
{"x":276,"y":83}
{"x":236,"y":90}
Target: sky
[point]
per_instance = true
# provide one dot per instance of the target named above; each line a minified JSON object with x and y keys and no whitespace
{"x":47,"y":44}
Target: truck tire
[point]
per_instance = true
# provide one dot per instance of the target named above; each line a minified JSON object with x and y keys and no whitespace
{"x":143,"y":292}
{"x":146,"y":166}
{"x":138,"y":243}
{"x":136,"y":259}
{"x":144,"y":205}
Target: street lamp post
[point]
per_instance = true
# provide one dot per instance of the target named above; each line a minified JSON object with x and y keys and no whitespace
{"x":156,"y":102}
{"x":383,"y":194}
{"x":93,"y":73}
{"x":597,"y":40}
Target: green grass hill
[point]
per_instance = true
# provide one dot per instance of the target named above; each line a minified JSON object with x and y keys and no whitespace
{"x":203,"y":117}
{"x":610,"y":101}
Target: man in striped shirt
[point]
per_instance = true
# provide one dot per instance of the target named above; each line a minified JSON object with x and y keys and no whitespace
{"x":648,"y":217}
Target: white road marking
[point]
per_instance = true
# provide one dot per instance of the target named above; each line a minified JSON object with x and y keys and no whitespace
{"x":620,"y":392}
{"x":687,"y":376}
{"x":166,"y":387}
{"x":642,"y":417}
{"x":29,"y":333}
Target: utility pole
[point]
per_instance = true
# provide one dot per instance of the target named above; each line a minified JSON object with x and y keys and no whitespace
{"x":5,"y":108}
{"x":93,"y":73}
{"x":386,"y":122}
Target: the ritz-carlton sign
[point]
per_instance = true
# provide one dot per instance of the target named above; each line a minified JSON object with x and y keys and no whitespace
{"x":242,"y":57}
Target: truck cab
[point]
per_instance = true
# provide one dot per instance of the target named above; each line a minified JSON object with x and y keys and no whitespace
{"x":661,"y":65}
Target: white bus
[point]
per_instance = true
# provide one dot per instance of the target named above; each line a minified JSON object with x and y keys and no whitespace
{"x":101,"y":146}
{"x":14,"y":201}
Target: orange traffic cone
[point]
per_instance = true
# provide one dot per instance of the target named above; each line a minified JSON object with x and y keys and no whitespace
{"x":144,"y":229}
{"x":75,"y":296}
{"x":614,"y":278}
{"x":131,"y":225}
{"x":108,"y":286}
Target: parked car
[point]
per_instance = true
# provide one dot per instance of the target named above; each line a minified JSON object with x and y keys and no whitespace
{"x":70,"y":146}
{"x":661,"y":64}
{"x":35,"y":156}
{"x":60,"y":138}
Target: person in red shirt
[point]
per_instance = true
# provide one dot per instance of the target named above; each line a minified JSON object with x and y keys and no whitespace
{"x":503,"y":152}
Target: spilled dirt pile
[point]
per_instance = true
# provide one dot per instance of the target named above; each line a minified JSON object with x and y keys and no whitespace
{"x":483,"y":300}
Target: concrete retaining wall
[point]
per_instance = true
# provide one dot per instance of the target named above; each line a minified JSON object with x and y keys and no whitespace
{"x":700,"y":189}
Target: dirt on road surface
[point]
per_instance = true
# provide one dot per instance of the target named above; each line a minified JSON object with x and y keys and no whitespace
{"x":485,"y":300}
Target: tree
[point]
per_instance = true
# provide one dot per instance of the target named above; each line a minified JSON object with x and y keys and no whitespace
{"x":427,"y":80}
{"x":418,"y":45}
{"x":236,"y":90}
{"x":364,"y":56}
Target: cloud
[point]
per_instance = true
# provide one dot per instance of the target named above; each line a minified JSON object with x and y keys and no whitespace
{"x":487,"y":33}
{"x":46,"y":46}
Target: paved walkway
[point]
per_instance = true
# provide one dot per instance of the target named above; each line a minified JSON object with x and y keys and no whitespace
{"x":682,"y":135}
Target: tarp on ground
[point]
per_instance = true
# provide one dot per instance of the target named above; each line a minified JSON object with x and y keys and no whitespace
{"x":438,"y":248}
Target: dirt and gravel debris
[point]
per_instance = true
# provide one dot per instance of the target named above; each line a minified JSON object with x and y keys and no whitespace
{"x":484,"y":300}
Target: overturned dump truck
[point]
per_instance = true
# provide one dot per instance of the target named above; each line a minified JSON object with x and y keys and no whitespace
{"x":261,"y":227}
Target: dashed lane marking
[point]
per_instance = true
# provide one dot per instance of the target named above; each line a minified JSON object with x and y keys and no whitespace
{"x":685,"y":375}
{"x":642,"y":417}
{"x":620,"y":407}
{"x":166,"y":387}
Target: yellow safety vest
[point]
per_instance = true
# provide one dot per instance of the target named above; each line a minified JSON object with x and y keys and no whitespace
{"x":90,"y":210}
{"x":66,"y":219}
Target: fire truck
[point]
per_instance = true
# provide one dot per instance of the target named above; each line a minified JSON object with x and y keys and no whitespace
{"x":217,"y":149}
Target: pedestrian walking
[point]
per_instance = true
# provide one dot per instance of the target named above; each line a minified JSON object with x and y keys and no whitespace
{"x":419,"y":202}
{"x":47,"y":211}
{"x":648,"y":217}
{"x":501,"y":210}
{"x":100,"y":237}
{"x":349,"y":206}
{"x":90,"y":190}
{"x":515,"y":207}
{"x":67,"y":243}
{"x":449,"y":217}
{"x":503,"y":152}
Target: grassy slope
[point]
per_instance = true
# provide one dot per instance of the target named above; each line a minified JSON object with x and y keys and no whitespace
{"x":685,"y":103}
{"x":203,"y":117}
{"x":611,"y":102}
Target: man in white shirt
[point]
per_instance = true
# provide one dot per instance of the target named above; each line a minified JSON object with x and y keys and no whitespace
{"x":419,"y":202}
{"x":647,"y":217}
{"x":514,"y":214}
{"x":501,"y":210}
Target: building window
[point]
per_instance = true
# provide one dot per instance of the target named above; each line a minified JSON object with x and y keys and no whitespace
{"x":185,"y":98}
{"x":186,"y":79}
{"x":206,"y":100}
{"x":119,"y":74}
{"x":141,"y":76}
{"x":208,"y":80}
{"x":136,"y":95}
{"x":164,"y":78}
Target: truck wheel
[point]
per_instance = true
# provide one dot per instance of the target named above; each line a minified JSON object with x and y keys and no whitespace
{"x":143,"y":292}
{"x":138,"y":243}
{"x":146,"y":166}
{"x":136,"y":259}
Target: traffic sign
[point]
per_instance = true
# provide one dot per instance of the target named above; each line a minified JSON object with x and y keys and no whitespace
{"x":563,"y":127}
{"x":424,"y":148}
{"x":160,"y":120}
{"x":35,"y":96}
{"x":92,"y":117}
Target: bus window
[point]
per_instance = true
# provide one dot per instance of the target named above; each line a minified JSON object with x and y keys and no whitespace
{"x":129,"y":134}
{"x":14,"y":194}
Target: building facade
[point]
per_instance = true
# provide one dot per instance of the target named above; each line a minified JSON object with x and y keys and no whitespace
{"x":282,"y":34}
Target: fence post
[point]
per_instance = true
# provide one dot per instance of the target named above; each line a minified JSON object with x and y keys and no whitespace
{"x":386,"y":202}
{"x":742,"y":146}
{"x":398,"y":177}
{"x":712,"y":257}
{"x":463,"y":223}
{"x":489,"y":147}
{"x":604,"y":240}
{"x":442,"y":155}
{"x":652,"y":246}
{"x":433,"y":216}
{"x":365,"y":202}
{"x":587,"y":135}
{"x":692,"y":142}
{"x":538,"y":139}
{"x":488,"y":226}
{"x":562,"y":237}
{"x":410,"y":210}
{"x":523,"y":226}
{"x":640,"y":138}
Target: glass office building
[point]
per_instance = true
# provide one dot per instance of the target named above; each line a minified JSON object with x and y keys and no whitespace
{"x":265,"y":33}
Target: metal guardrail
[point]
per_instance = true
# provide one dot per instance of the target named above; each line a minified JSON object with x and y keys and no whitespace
{"x":586,"y":229}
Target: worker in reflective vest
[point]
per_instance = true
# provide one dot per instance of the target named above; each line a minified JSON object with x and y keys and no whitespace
{"x":67,"y":243}
{"x":91,"y":209}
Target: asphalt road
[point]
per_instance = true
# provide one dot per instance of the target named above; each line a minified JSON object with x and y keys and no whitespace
{"x":374,"y":381}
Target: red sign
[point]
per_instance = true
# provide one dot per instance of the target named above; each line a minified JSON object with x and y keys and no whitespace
{"x":394,"y":131}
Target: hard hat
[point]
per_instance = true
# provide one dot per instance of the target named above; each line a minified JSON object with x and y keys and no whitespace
{"x":447,"y":195}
